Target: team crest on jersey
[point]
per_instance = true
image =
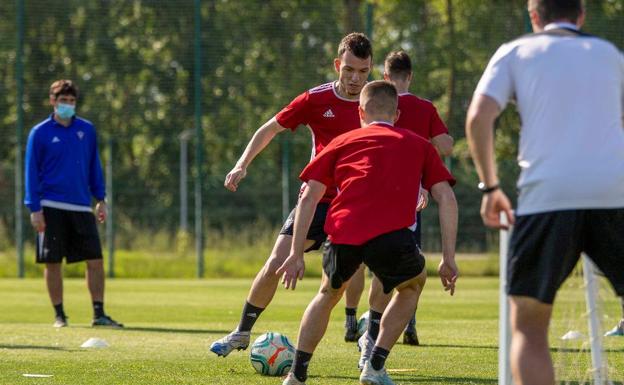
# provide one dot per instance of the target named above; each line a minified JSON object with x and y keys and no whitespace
{"x":329,"y":113}
{"x":80,"y":134}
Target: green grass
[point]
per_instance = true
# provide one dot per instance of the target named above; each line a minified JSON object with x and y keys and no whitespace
{"x":170,"y":324}
{"x":237,"y":261}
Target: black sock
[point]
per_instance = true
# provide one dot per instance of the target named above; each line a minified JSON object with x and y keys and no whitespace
{"x":249,"y":317}
{"x":98,"y":309}
{"x":411,"y":325}
{"x":378,"y":357}
{"x":374,"y":322}
{"x":58,"y":309}
{"x":351,"y":321}
{"x":300,"y":365}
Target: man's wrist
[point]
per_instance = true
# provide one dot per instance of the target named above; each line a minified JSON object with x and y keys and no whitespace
{"x":487,"y":189}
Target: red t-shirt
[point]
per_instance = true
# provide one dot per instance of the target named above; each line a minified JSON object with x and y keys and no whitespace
{"x":419,"y":115}
{"x":327,"y":114}
{"x":378,"y":170}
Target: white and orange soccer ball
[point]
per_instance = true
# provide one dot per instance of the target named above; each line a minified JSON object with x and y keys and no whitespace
{"x":272,"y":354}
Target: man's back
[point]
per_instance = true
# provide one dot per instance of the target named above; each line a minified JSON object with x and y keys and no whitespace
{"x":368,"y":166}
{"x":569,"y":93}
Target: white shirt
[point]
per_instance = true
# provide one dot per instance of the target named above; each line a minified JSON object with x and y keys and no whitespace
{"x":570,"y":96}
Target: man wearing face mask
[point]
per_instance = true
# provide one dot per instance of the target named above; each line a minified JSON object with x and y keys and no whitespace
{"x":63,"y":176}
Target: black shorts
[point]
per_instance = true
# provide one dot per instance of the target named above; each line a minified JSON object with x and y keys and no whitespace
{"x":316,"y":231}
{"x":544,"y":249}
{"x":69,"y":234}
{"x":393,"y":257}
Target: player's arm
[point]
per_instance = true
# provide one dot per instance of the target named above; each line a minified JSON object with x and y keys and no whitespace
{"x":96,"y":182}
{"x":33,"y":184}
{"x":261,"y":138}
{"x":443,"y":143}
{"x":294,"y":266}
{"x":447,"y":211}
{"x":482,"y":113}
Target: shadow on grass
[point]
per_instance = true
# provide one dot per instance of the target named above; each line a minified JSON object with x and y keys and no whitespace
{"x":491,"y":347}
{"x":416,"y":379}
{"x":36,"y":347}
{"x":577,"y":350}
{"x":173,"y":330}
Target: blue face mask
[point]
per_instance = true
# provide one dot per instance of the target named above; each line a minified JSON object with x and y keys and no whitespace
{"x":65,"y":111}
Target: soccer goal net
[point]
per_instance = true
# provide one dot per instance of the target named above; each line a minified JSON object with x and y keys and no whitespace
{"x":576,"y":330}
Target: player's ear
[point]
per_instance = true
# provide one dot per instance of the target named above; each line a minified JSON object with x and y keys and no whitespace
{"x":337,"y":63}
{"x":386,"y":76}
{"x":397,"y":113}
{"x":361,"y":113}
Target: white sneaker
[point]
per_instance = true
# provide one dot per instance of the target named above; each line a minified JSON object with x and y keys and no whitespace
{"x":370,"y":376}
{"x":365,"y":346}
{"x":292,"y":380}
{"x":235,"y":340}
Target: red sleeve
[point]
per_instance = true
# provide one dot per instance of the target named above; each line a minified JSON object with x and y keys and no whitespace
{"x":296,"y":113}
{"x":436,"y":125}
{"x":435,"y":171}
{"x":321,"y":168}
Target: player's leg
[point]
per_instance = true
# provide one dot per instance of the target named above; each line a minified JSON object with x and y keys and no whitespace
{"x":84,"y":245}
{"x":530,"y":359}
{"x":378,"y":301}
{"x":312,"y":329}
{"x":410,"y":337}
{"x":543,"y":251}
{"x":353,"y":294}
{"x":604,"y":244}
{"x":54,"y":281}
{"x":340,"y":262}
{"x":266,"y":281}
{"x":397,"y":263}
{"x":50,"y":250}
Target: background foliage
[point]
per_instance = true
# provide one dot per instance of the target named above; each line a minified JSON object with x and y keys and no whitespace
{"x":133,"y":61}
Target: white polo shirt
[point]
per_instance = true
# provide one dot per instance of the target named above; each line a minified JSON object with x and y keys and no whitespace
{"x":569,"y":92}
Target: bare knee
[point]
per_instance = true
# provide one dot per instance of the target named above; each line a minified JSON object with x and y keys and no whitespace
{"x":530,"y":318}
{"x":95,"y":265}
{"x":53,"y":268}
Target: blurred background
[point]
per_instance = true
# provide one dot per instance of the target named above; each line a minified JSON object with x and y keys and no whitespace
{"x":177,"y":88}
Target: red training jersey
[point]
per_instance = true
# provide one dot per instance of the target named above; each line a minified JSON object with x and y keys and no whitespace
{"x":420,"y":116}
{"x":376,"y":194}
{"x":327,"y":114}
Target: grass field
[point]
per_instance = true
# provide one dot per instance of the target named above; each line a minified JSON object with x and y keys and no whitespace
{"x":170,"y":324}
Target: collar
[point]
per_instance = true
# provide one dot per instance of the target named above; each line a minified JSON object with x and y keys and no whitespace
{"x":73,"y":118}
{"x":561,"y":24}
{"x":381,"y":122}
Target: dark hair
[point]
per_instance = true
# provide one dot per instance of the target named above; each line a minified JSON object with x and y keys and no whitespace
{"x":379,"y":97}
{"x":63,"y":87}
{"x":553,"y":10}
{"x":356,"y":43}
{"x":398,"y":65}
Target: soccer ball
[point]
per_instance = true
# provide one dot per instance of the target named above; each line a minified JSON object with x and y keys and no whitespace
{"x":272,"y":354}
{"x":363,"y":323}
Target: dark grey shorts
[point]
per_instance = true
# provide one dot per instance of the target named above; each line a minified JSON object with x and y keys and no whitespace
{"x":545,"y":248}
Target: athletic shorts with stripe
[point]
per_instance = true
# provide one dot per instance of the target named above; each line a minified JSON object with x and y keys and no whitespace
{"x":544,"y":249}
{"x":316,"y":232}
{"x":68,"y":234}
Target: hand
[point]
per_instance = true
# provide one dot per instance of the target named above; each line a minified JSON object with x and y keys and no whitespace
{"x":292,"y":269}
{"x":100,"y":211}
{"x":492,"y":205}
{"x":234,"y":177}
{"x":38,"y":221}
{"x":423,"y":199}
{"x":448,"y":272}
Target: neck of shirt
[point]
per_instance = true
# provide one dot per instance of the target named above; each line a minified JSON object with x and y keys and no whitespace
{"x":560,"y":24}
{"x":382,"y":122}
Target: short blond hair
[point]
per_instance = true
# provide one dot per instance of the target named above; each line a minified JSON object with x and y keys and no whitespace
{"x":379,"y":97}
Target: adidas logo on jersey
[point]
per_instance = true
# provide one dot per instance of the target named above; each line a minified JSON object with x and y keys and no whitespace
{"x":329,"y":114}
{"x":55,"y":139}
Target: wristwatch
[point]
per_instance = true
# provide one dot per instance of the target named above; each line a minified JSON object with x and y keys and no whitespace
{"x":485,"y":189}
